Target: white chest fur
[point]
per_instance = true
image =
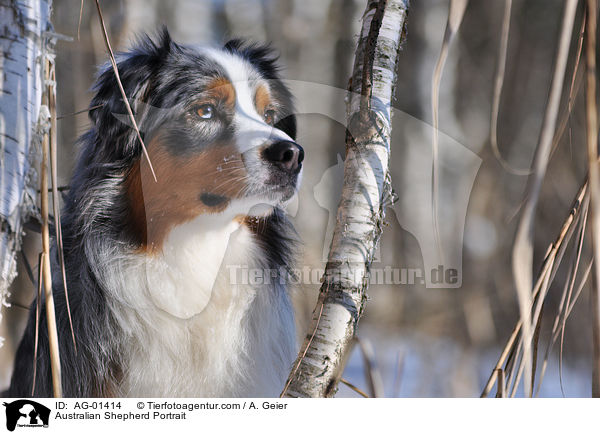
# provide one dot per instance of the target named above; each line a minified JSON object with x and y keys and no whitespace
{"x":185,"y":330}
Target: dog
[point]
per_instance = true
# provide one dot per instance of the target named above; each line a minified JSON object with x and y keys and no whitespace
{"x":150,"y":242}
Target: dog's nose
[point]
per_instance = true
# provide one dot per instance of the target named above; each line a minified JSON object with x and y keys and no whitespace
{"x":285,"y":154}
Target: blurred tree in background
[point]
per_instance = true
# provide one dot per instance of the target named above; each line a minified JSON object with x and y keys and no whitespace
{"x":428,"y":342}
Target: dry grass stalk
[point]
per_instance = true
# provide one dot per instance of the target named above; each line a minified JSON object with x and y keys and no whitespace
{"x":548,"y":275}
{"x":353,"y":387}
{"x":55,"y":197}
{"x":47,"y":274}
{"x":372,"y":374}
{"x":501,"y":392}
{"x":399,"y":372}
{"x":498,"y":84}
{"x":553,"y":252}
{"x":455,"y":16}
{"x":79,"y":112}
{"x":522,"y":257}
{"x":594,"y":177}
{"x":584,"y":280}
{"x":575,"y":85}
{"x":513,"y":358}
{"x":113,"y":62}
{"x":561,"y":317}
{"x":38,"y":308}
{"x":80,"y":17}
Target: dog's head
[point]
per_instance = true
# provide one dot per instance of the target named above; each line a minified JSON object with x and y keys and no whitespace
{"x":218,"y":125}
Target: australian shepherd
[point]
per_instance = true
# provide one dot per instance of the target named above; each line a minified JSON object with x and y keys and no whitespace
{"x":150,"y":248}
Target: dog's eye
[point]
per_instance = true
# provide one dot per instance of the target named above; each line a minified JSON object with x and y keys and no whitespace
{"x":206,"y":111}
{"x":269,"y":116}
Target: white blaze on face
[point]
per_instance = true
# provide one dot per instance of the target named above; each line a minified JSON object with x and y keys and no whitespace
{"x":252,"y":131}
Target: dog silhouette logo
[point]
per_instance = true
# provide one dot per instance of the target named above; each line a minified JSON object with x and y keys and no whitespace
{"x":26,"y":413}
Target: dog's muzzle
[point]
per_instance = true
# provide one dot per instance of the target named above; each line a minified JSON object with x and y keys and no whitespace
{"x":286,"y":155}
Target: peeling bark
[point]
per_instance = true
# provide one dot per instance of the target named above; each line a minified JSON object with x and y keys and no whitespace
{"x":23,"y":25}
{"x":361,"y":212}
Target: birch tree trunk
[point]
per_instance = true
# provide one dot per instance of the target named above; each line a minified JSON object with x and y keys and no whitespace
{"x":360,"y":215}
{"x":23,"y":27}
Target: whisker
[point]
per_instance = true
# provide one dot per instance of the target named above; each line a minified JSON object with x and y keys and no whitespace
{"x":242,"y":177}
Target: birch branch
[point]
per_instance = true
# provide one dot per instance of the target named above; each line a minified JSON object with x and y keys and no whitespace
{"x":367,"y":189}
{"x":22,"y":45}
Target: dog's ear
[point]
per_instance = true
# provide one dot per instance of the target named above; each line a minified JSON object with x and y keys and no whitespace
{"x":136,"y":69}
{"x":262,"y":56}
{"x":165,"y":44}
{"x":264,"y":59}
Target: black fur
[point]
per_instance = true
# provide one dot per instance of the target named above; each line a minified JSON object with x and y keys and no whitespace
{"x":161,"y":75}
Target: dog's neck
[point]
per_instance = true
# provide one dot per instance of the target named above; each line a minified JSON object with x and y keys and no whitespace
{"x":191,"y":280}
{"x":180,"y":313}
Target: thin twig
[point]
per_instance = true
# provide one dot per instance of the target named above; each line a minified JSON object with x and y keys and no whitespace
{"x":60,"y":188}
{"x":79,"y":111}
{"x":353,"y":387}
{"x":13,"y":303}
{"x":28,"y":268}
{"x":120,"y":84}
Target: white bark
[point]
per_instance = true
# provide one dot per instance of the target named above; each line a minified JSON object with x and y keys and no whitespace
{"x":366,"y":190}
{"x":23,"y":24}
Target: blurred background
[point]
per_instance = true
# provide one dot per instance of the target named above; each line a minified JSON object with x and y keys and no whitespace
{"x":427,"y":342}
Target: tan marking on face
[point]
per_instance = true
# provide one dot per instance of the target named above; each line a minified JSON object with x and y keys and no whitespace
{"x":156,"y":207}
{"x":221,"y":89}
{"x":262,"y":99}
